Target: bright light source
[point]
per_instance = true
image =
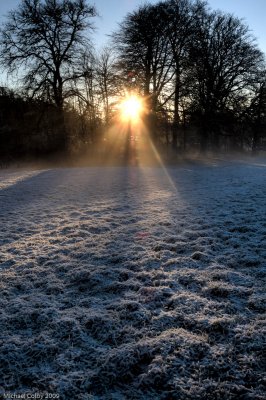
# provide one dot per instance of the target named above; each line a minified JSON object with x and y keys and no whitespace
{"x":131,"y":108}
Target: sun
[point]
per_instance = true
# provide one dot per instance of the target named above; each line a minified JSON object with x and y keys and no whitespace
{"x":131,"y":108}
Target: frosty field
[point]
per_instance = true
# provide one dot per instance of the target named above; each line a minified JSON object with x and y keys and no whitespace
{"x":134,"y":283}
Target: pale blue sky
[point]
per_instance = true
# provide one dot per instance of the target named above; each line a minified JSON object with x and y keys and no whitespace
{"x":112,"y":12}
{"x":252,"y":11}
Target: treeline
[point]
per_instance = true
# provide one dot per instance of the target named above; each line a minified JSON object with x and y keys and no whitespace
{"x":34,"y":127}
{"x":200,"y":73}
{"x":200,"y":70}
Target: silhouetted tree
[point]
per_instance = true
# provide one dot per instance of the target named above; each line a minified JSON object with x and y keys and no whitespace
{"x":145,"y":55}
{"x":256,"y":113}
{"x":178,"y":17}
{"x":224,"y":60}
{"x":46,"y":38}
{"x":108,"y":81}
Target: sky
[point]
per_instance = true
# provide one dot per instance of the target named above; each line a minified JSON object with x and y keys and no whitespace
{"x":252,"y":11}
{"x":111,"y":12}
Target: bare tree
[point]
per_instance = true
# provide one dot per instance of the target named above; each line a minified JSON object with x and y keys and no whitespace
{"x":256,"y":113}
{"x":108,"y":81}
{"x":145,"y":54}
{"x":178,"y":17}
{"x":224,"y":60}
{"x":44,"y":39}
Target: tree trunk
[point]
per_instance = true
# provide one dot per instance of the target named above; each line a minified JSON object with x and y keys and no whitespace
{"x":61,"y":131}
{"x":176,"y":110}
{"x":204,"y":134}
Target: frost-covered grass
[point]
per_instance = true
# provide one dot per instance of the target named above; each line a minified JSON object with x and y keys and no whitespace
{"x":134,"y":283}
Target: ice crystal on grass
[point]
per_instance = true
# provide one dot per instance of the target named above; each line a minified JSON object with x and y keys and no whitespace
{"x":125,"y":283}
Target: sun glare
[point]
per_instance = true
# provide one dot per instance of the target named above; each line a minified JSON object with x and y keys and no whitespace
{"x":131,"y":108}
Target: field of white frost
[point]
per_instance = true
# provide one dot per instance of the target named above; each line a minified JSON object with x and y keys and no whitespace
{"x":134,"y":283}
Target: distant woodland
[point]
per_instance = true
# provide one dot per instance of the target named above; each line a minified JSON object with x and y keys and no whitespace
{"x":200,"y":73}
